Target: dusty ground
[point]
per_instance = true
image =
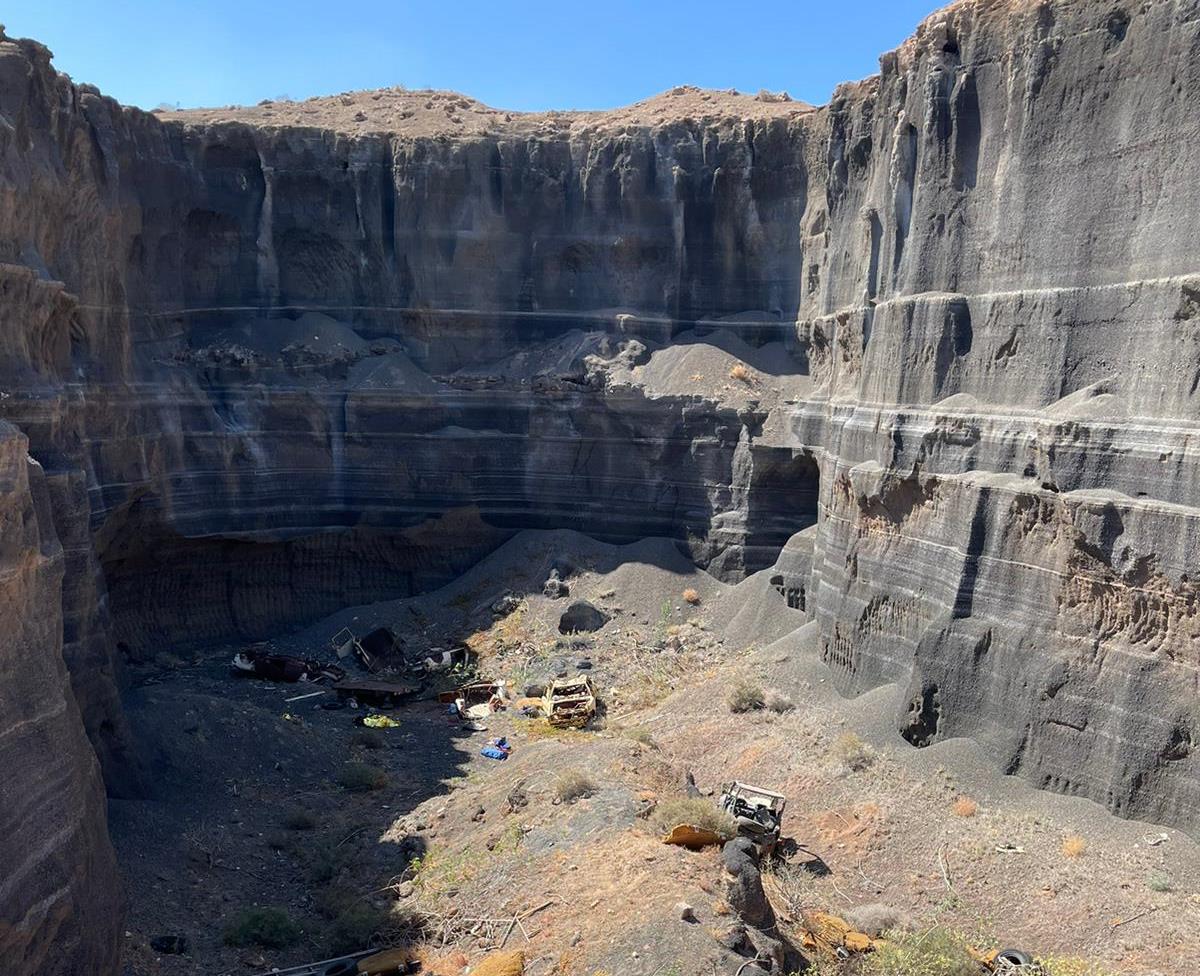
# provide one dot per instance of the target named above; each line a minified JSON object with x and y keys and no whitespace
{"x":427,"y":113}
{"x":591,"y":888}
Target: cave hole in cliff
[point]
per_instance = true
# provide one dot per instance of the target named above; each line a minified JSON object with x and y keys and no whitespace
{"x":782,"y":500}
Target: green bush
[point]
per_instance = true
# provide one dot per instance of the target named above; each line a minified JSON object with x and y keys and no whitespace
{"x":357,"y":777}
{"x":697,"y":812}
{"x":356,"y":928}
{"x":746,"y":697}
{"x":269,"y":928}
{"x":935,"y":952}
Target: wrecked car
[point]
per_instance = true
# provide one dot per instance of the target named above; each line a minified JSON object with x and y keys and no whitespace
{"x":346,"y":643}
{"x":260,"y":663}
{"x":758,"y":813}
{"x":476,"y":699}
{"x":570,"y":702}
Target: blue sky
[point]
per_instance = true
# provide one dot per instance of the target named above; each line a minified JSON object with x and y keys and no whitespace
{"x":519,"y":55}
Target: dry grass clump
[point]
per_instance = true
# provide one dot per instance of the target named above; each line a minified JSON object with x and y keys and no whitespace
{"x":741,"y":373}
{"x":1073,"y":846}
{"x":574,"y":784}
{"x":691,"y":596}
{"x":778,"y":703}
{"x":696,"y":812}
{"x":964,"y":806}
{"x":745,"y":696}
{"x":876,"y":918}
{"x":852,"y":752}
{"x":1159,"y":881}
{"x":641,"y":736}
{"x":356,"y":777}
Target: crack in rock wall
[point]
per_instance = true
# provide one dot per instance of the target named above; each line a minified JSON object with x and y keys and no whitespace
{"x":270,"y":370}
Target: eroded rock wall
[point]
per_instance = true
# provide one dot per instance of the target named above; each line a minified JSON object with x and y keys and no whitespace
{"x":59,"y":888}
{"x":1008,"y":372}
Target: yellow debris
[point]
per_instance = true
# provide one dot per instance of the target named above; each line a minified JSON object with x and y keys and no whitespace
{"x":501,"y":964}
{"x":692,"y":837}
{"x":380,"y":722}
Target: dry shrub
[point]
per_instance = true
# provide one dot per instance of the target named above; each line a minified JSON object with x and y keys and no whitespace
{"x":745,"y":696}
{"x":778,"y":703}
{"x":299,"y":819}
{"x":356,"y":777}
{"x":964,"y":806}
{"x":696,"y":812}
{"x":852,"y":752}
{"x":1073,"y":846}
{"x":691,"y":596}
{"x":741,"y":373}
{"x":574,"y":784}
{"x":876,"y":918}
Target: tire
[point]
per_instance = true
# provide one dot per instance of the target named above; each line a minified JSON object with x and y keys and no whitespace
{"x":1014,"y":957}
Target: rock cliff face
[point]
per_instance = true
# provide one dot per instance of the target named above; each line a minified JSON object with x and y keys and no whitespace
{"x":931,"y":350}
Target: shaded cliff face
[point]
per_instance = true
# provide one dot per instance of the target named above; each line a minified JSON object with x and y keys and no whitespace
{"x":292,"y":368}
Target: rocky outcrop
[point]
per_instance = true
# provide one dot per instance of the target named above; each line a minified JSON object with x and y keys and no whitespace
{"x":940,"y":334}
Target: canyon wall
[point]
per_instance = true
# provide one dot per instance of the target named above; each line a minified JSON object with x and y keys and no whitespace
{"x":931,"y":350}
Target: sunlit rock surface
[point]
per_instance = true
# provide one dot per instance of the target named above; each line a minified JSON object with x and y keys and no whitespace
{"x":939,"y":337}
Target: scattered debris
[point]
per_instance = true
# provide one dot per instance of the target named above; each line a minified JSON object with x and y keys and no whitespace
{"x":337,"y":966}
{"x":381,"y":642}
{"x":260,"y":663}
{"x":496,"y":749}
{"x":555,"y":588}
{"x":832,"y":936}
{"x":311,"y":694}
{"x":477,"y":699}
{"x":508,"y":603}
{"x":501,"y":964}
{"x":345,"y":643}
{"x":757,"y":811}
{"x":374,"y":692}
{"x":377,"y":722}
{"x":693,"y":837}
{"x":389,"y":962}
{"x":456,"y":657}
{"x":570,"y":702}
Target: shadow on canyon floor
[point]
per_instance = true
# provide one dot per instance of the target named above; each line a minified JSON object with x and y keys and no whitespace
{"x":261,"y":802}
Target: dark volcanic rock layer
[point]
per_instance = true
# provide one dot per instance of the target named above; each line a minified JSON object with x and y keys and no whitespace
{"x":271,"y":370}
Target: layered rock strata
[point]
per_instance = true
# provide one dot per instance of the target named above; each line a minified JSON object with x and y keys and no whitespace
{"x":939,"y":337}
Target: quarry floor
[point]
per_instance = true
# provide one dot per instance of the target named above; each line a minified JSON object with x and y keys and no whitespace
{"x":247,"y":809}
